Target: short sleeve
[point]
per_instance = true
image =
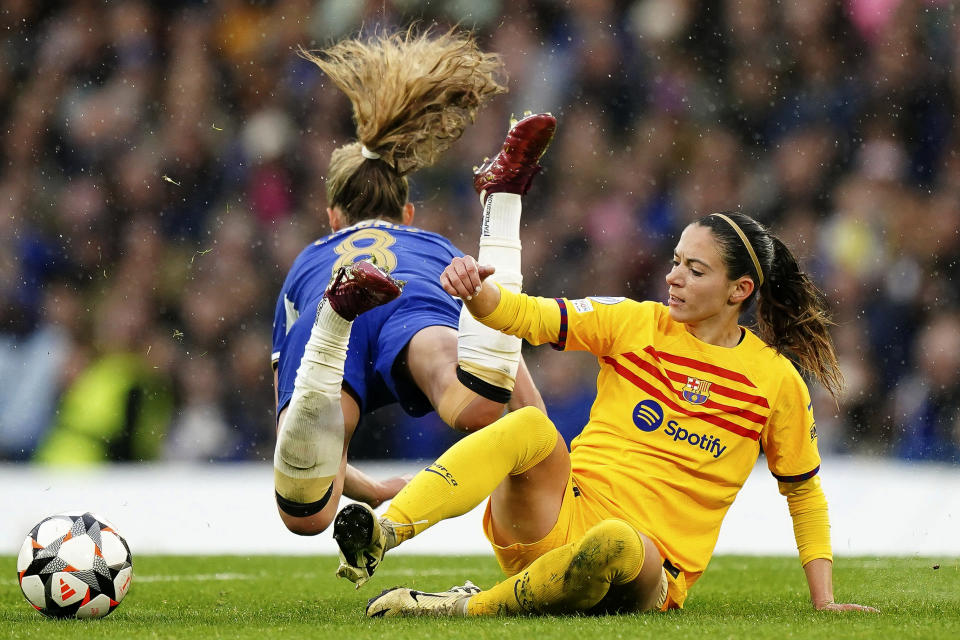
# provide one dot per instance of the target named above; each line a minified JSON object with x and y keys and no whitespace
{"x":284,"y":315}
{"x":790,"y":437}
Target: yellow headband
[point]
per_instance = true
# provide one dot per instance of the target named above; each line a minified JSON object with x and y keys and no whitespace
{"x":746,"y":243}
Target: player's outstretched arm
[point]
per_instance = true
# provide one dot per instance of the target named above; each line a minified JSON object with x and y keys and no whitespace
{"x":360,"y":487}
{"x":465,"y":279}
{"x":820,"y":579}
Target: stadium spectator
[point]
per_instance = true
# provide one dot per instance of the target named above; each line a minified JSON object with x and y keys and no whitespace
{"x":35,"y":365}
{"x":118,"y":408}
{"x":928,"y":401}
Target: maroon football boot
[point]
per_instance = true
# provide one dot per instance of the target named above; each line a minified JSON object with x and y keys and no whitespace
{"x":512,"y":170}
{"x":359,"y":287}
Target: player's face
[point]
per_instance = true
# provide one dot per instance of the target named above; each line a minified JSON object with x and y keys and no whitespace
{"x":698,"y":287}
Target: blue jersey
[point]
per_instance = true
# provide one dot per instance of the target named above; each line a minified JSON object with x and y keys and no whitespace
{"x":379,"y":335}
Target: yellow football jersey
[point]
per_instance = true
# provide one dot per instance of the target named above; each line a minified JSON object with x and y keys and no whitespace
{"x":677,"y":424}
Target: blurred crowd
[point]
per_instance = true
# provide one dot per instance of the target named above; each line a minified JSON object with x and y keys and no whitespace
{"x":162,"y":163}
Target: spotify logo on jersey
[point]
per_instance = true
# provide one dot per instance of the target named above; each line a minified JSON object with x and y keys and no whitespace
{"x":647,"y":415}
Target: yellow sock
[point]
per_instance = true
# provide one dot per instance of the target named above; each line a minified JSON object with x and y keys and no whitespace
{"x":568,"y":579}
{"x":471,"y":469}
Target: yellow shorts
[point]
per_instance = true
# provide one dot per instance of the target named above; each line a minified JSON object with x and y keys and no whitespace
{"x":578,"y":514}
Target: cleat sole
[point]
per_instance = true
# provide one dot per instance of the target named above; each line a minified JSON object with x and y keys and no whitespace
{"x":353,"y":529}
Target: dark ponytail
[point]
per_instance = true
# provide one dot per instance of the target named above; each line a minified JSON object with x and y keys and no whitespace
{"x":791,"y":314}
{"x":792,"y":318}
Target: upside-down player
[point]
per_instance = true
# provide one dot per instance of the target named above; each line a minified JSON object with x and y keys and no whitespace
{"x":343,"y":343}
{"x":627,"y":519}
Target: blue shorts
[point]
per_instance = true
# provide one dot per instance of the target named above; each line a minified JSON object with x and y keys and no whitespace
{"x":376,"y":339}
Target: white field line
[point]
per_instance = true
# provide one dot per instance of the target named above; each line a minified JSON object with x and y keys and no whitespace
{"x":226,"y":577}
{"x":415,"y":573}
{"x":199,"y":577}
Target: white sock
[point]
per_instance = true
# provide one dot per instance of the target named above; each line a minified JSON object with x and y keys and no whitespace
{"x":501,"y":216}
{"x":310,"y":439}
{"x":491,"y":355}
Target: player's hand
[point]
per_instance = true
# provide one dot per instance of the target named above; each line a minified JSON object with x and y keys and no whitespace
{"x":388,"y":488}
{"x":362,"y":488}
{"x":834,"y":606}
{"x":464,"y":278}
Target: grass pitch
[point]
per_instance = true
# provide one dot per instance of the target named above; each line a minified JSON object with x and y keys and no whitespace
{"x":267,"y":597}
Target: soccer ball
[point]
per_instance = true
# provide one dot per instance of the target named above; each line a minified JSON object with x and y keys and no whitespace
{"x":74,"y":565}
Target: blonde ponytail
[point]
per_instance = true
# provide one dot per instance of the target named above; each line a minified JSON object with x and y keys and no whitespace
{"x":413,"y":95}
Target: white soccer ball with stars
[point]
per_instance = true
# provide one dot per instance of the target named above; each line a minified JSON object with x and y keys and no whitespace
{"x":74,"y":565}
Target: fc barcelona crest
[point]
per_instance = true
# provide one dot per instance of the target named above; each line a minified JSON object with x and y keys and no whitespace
{"x":696,"y":391}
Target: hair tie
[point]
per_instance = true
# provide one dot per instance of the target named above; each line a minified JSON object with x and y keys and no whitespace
{"x":746,"y":243}
{"x":369,"y":155}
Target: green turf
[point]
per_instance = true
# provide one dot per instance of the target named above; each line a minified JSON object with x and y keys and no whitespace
{"x":297,"y":597}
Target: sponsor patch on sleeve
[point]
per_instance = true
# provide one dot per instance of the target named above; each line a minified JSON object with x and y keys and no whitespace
{"x":582,"y":305}
{"x":606,"y":299}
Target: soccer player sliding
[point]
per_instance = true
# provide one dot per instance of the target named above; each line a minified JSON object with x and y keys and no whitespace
{"x":627,"y":519}
{"x":345,"y":340}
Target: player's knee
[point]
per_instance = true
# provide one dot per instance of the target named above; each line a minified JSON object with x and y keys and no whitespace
{"x":528,"y":423}
{"x":531,"y":432}
{"x":532,"y":423}
{"x":605,"y":541}
{"x":611,"y":551}
{"x":531,"y":420}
